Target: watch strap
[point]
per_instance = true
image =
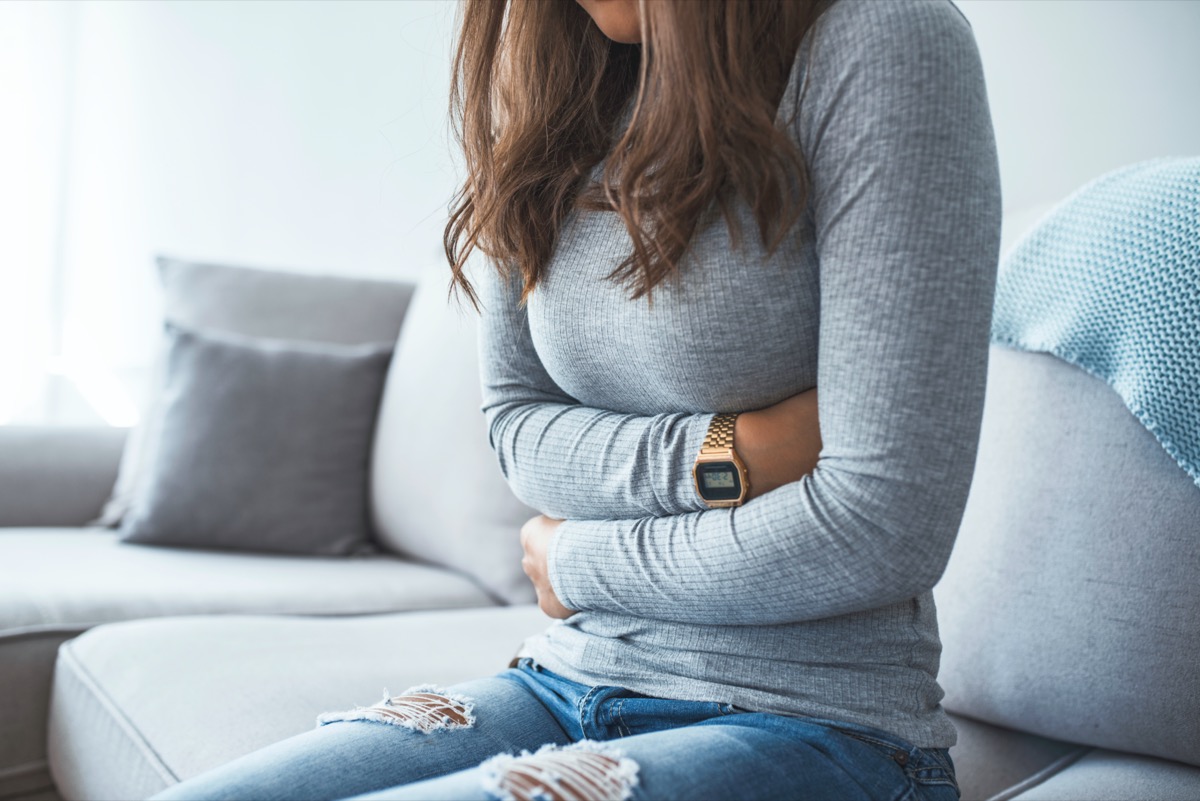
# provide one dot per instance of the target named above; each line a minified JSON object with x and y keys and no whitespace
{"x":720,"y":433}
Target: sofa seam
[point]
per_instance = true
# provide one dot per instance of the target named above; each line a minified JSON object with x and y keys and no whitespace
{"x":35,"y":631}
{"x":37,"y":768}
{"x":122,"y":720}
{"x":14,"y":771}
{"x":494,"y":597}
{"x":1045,"y":774}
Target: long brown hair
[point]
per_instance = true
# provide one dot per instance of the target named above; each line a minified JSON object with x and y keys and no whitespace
{"x":537,"y":91}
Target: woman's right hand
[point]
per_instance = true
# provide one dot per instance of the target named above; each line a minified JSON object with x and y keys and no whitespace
{"x":779,"y":444}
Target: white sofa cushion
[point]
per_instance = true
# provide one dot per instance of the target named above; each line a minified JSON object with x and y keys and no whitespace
{"x":1111,"y":776}
{"x":437,"y":492}
{"x":55,"y":583}
{"x":77,"y":578}
{"x":1070,"y":603}
{"x":140,"y":705}
{"x":991,"y":761}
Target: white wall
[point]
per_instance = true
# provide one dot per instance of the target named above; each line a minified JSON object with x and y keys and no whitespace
{"x":306,"y":135}
{"x":1080,"y":88}
{"x":300,"y":135}
{"x":34,"y":67}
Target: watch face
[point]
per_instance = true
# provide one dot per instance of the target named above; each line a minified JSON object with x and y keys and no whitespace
{"x":719,"y":481}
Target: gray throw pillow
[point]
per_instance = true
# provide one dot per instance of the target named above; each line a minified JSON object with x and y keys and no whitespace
{"x":264,"y":445}
{"x":254,"y":302}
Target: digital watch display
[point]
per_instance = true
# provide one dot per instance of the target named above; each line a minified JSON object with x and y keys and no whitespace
{"x":719,"y":481}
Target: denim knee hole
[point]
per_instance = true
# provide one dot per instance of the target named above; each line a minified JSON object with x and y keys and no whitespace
{"x":577,"y":772}
{"x":424,"y":708}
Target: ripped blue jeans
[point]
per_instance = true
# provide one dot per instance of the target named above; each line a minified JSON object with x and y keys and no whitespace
{"x":527,"y":734}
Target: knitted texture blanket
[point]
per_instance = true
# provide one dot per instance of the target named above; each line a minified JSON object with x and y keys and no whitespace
{"x":1110,"y":281}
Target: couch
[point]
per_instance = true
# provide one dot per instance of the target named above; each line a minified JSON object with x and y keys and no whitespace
{"x":1068,"y":609}
{"x":436,"y":546}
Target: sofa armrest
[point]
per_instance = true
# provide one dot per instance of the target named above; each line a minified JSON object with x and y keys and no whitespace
{"x":57,"y":476}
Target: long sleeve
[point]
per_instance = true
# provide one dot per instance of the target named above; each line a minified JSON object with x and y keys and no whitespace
{"x":567,"y":460}
{"x":905,"y":205}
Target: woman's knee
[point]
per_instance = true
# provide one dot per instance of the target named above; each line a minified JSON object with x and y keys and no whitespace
{"x":366,"y":748}
{"x":582,"y":770}
{"x":424,"y":708}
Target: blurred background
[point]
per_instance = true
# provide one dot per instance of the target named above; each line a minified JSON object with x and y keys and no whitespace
{"x":312,"y":135}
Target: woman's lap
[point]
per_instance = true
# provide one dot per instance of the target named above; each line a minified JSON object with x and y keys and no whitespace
{"x":528,"y":729}
{"x":744,"y":757}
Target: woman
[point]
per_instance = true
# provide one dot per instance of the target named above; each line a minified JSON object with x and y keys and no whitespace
{"x":737,"y":619}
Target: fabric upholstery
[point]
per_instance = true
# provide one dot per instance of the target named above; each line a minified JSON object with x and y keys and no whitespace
{"x":96,"y":579}
{"x":56,"y":583}
{"x":115,"y":735}
{"x":263,"y":445}
{"x":139,"y":705}
{"x":56,"y":475}
{"x":26,"y":659}
{"x":1070,"y":603}
{"x":282,"y":305}
{"x":257,"y":303}
{"x":1108,"y":776}
{"x":989,"y":761}
{"x":48,"y":793}
{"x":437,"y":490}
{"x":89,"y":775}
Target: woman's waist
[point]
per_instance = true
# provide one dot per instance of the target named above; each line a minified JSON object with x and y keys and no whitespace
{"x":899,"y":637}
{"x":816,"y":668}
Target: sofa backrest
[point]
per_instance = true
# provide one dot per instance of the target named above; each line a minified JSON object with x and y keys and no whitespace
{"x":282,"y":305}
{"x":437,"y":493}
{"x":1069,"y":608}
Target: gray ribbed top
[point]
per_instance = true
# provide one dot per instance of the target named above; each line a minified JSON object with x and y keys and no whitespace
{"x":813,"y":599}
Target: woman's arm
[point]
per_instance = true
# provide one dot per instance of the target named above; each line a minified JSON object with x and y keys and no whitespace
{"x":572,"y":461}
{"x":905,"y":197}
{"x":569,"y":460}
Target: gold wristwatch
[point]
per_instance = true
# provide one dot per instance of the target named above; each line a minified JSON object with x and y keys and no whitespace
{"x":720,"y":475}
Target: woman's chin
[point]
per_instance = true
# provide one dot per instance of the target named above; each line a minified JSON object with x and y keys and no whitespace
{"x":616,"y":19}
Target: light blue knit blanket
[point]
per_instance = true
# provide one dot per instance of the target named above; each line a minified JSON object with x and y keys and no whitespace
{"x":1109,"y":280}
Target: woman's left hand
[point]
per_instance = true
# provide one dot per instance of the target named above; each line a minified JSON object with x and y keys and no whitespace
{"x":535,"y":539}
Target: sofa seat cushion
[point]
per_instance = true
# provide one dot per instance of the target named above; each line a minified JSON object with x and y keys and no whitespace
{"x":992,"y":762}
{"x":76,"y":578}
{"x":55,"y":583}
{"x":140,"y":705}
{"x":1113,"y":776}
{"x":997,"y":764}
{"x":242,"y":682}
